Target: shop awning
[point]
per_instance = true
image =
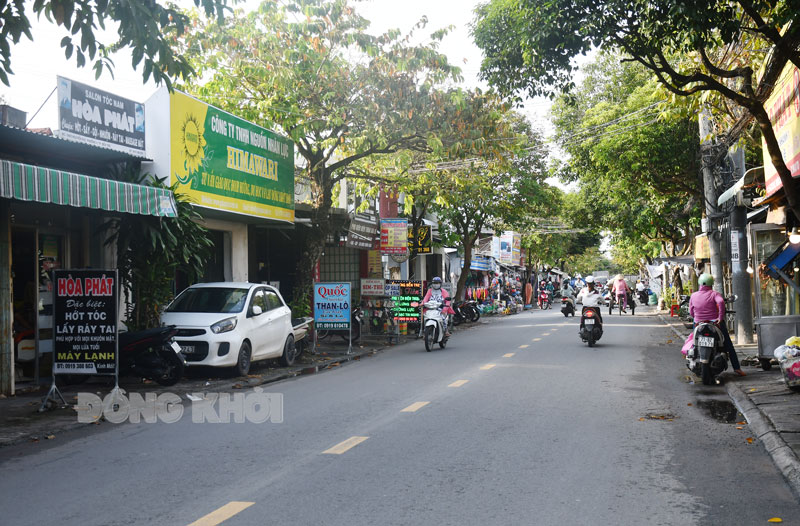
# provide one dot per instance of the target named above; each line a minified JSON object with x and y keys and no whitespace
{"x":45,"y":185}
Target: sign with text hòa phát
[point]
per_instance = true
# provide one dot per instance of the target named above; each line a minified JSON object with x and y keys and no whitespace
{"x":85,"y":321}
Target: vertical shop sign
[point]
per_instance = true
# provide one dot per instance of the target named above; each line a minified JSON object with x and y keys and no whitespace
{"x":394,"y":236}
{"x":374,"y":264}
{"x":332,"y":305}
{"x":85,"y":321}
{"x":783,"y":107}
{"x":422,"y":243}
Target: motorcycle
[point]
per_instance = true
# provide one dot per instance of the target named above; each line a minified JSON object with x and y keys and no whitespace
{"x":465,"y":311}
{"x":433,"y":327}
{"x":355,"y":323}
{"x":591,"y":327}
{"x":567,"y":307}
{"x":544,"y":300}
{"x":706,"y":358}
{"x":152,"y":354}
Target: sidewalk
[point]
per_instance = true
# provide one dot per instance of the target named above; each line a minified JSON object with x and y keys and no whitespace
{"x":771,"y":409}
{"x":21,"y":421}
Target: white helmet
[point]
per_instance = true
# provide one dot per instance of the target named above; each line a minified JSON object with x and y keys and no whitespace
{"x":589,"y":279}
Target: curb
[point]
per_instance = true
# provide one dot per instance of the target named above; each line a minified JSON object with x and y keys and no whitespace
{"x":782,"y":455}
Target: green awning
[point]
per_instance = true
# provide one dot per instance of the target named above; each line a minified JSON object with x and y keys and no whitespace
{"x":45,"y":185}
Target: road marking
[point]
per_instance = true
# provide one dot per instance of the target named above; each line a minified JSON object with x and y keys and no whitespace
{"x":487,"y":366}
{"x":545,"y":334}
{"x":554,"y":329}
{"x":510,"y":354}
{"x":414,"y":407}
{"x":523,"y":346}
{"x":222,"y":514}
{"x":458,"y":383}
{"x":536,"y":340}
{"x":342,"y":447}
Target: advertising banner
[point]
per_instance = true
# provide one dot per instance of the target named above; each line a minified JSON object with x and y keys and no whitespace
{"x":374,"y":264}
{"x":507,"y":249}
{"x":406,"y":299}
{"x":85,"y":321}
{"x":332,"y":305}
{"x":783,"y":107}
{"x":516,"y":249}
{"x":394,"y":236}
{"x":423,"y":243}
{"x":479,"y":263}
{"x":364,"y":231}
{"x":99,"y":118}
{"x":373,"y":287}
{"x":226,"y":163}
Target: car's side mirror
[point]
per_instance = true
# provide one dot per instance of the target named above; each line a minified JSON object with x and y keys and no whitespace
{"x":257,"y":310}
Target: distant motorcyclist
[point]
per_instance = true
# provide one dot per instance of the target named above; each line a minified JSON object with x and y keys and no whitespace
{"x":708,"y":305}
{"x":438,"y":294}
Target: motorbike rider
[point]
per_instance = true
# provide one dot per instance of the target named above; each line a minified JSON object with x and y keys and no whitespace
{"x":589,"y":296}
{"x":620,"y":290}
{"x":437,"y":293}
{"x":708,"y":305}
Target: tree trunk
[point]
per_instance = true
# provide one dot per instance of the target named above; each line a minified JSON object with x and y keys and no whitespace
{"x":774,"y":149}
{"x":462,"y":279}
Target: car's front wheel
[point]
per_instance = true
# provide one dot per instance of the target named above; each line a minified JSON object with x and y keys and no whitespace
{"x":242,"y":366}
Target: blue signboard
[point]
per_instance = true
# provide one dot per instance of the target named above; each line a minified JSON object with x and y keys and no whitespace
{"x":479,"y":263}
{"x":332,"y":306}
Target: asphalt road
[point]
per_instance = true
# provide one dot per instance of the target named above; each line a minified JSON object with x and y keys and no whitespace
{"x":515,"y":422}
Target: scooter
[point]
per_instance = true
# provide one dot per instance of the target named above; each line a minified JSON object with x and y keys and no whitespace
{"x":591,"y":327}
{"x":567,"y":307}
{"x":544,"y":299}
{"x":152,"y":354}
{"x":706,"y":358}
{"x":433,"y":327}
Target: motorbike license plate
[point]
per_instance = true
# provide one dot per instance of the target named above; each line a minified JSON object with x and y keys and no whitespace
{"x":705,"y":341}
{"x":185,"y":349}
{"x":589,"y":321}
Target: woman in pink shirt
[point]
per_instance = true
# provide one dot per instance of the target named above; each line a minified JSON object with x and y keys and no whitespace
{"x":708,"y":305}
{"x":620,"y":288}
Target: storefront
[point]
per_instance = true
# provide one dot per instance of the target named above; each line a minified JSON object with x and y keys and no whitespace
{"x":239,"y":176}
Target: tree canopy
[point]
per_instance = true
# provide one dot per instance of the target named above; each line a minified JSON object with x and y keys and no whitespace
{"x":692,"y":48}
{"x":146,"y":27}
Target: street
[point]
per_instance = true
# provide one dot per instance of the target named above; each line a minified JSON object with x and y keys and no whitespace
{"x":515,"y":422}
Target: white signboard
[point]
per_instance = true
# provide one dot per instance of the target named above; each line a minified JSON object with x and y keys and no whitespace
{"x":734,"y":245}
{"x":373,"y":287}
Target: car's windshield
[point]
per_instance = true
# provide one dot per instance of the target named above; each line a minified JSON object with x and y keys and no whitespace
{"x":209,"y":299}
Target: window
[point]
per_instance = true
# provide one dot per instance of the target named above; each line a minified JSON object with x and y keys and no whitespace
{"x":273,"y":301}
{"x":259,"y":300}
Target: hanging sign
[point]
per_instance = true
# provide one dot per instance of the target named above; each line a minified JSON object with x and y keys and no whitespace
{"x":394,"y":236}
{"x":783,"y":107}
{"x":97,"y":117}
{"x":734,"y":245}
{"x":364,"y":231}
{"x":85,"y":321}
{"x":422,"y":244}
{"x":332,"y":305}
{"x":406,"y":299}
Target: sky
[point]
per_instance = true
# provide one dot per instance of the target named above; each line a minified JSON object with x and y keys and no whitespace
{"x":36,"y":64}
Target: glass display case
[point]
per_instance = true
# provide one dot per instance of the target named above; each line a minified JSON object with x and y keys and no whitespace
{"x":776,"y":275}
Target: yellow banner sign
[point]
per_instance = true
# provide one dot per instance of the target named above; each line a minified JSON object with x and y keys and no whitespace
{"x":783,"y":107}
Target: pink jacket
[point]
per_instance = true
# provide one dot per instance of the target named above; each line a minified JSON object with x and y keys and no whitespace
{"x":620,"y":287}
{"x":447,"y":309}
{"x":706,"y":305}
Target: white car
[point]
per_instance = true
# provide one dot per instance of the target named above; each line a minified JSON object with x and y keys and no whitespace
{"x":231,"y":324}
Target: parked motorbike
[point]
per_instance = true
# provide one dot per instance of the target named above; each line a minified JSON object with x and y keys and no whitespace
{"x":567,"y":307}
{"x":465,"y":311}
{"x":152,"y":354}
{"x":356,"y":316}
{"x":433,"y":327}
{"x":591,"y":327}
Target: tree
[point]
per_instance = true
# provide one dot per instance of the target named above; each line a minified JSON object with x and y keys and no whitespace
{"x":691,"y":47}
{"x":309,"y":69}
{"x":150,"y":250}
{"x":146,"y":27}
{"x":635,"y":164}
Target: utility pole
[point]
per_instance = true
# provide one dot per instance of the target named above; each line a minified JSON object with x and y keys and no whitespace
{"x":707,"y":151}
{"x":739,"y":257}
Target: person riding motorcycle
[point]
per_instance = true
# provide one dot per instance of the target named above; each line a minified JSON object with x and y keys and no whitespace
{"x":437,"y":293}
{"x":708,"y":305}
{"x":589,"y":295}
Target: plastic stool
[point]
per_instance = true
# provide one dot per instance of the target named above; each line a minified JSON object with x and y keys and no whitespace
{"x":674,"y":310}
